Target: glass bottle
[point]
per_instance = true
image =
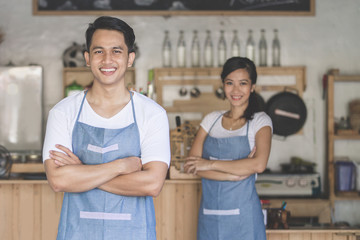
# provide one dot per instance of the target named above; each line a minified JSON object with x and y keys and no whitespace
{"x":221,"y":49}
{"x":195,"y":50}
{"x":250,"y":47}
{"x":235,"y":45}
{"x":262,"y":50}
{"x":181,"y":50}
{"x":208,"y":50}
{"x":166,"y":50}
{"x":276,"y":49}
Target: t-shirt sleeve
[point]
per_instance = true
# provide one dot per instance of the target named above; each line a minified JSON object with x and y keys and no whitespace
{"x":57,"y":132}
{"x":156,"y":142}
{"x":261,"y":120}
{"x":209,"y":120}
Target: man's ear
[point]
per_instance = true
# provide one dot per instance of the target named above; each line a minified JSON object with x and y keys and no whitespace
{"x":87,"y":58}
{"x":131,"y":59}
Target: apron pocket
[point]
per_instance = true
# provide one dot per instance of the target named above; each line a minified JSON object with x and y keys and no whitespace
{"x":97,"y":149}
{"x":235,"y":211}
{"x":105,"y":216}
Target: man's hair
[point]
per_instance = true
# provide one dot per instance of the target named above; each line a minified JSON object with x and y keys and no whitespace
{"x":111,"y":23}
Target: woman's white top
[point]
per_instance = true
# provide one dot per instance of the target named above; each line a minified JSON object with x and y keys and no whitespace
{"x":260,"y":120}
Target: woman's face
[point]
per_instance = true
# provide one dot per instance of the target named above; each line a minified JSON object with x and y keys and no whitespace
{"x":237,"y":87}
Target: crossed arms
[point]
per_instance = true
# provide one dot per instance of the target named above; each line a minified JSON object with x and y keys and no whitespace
{"x":126,"y":176}
{"x":229,"y":170}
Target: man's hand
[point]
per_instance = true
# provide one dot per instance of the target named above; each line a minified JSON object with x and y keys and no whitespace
{"x":66,"y":157}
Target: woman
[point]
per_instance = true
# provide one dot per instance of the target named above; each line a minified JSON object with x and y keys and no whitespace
{"x":221,"y":154}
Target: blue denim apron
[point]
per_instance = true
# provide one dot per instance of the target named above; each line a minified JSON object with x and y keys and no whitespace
{"x":100,"y":215}
{"x":229,"y":210}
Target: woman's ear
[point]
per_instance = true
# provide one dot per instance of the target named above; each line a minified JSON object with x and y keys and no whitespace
{"x":253,"y":88}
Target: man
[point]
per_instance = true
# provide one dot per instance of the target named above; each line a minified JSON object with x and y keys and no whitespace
{"x":107,"y":148}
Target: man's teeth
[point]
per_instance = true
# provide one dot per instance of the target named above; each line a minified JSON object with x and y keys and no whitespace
{"x":107,"y":69}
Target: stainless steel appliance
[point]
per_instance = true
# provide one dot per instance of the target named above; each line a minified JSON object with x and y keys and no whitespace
{"x":21,"y":108}
{"x":288,"y":185}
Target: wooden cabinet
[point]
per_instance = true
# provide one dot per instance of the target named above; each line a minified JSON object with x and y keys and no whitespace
{"x":30,"y":210}
{"x":309,"y":234}
{"x":335,"y":81}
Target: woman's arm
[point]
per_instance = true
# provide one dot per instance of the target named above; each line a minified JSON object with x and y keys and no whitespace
{"x":240,"y":167}
{"x":196,"y":152}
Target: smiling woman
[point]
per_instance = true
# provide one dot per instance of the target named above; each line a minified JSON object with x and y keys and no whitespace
{"x":229,"y":149}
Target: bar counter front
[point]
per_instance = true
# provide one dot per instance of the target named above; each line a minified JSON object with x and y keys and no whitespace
{"x":30,"y":210}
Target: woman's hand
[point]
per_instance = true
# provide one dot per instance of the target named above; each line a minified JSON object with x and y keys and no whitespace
{"x":195,"y":164}
{"x":66,"y":157}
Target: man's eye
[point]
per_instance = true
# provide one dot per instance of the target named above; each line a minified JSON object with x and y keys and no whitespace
{"x":97,"y":52}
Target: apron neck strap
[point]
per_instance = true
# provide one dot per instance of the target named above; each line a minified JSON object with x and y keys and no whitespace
{"x":247,"y":124}
{"x":132,"y":104}
{"x":215,"y":122}
{"x":81,"y":106}
{"x":131,"y":99}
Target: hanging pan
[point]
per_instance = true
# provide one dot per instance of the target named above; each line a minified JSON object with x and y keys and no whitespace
{"x":287,"y":112}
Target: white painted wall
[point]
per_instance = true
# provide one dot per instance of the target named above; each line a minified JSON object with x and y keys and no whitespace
{"x":330,"y":39}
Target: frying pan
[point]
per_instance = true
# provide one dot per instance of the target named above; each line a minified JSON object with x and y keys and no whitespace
{"x":287,"y":112}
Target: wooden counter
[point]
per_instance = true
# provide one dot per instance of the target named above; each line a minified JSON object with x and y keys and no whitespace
{"x":30,"y":210}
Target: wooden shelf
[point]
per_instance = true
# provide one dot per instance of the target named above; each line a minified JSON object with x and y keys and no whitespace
{"x":269,"y":79}
{"x":27,"y":168}
{"x":84,"y":77}
{"x":332,"y":78}
{"x":347,"y":137}
{"x":353,"y":195}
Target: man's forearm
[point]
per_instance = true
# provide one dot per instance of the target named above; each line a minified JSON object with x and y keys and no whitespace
{"x":147,"y":182}
{"x":79,"y":177}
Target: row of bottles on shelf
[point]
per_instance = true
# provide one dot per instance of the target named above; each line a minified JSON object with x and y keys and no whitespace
{"x":208,"y":50}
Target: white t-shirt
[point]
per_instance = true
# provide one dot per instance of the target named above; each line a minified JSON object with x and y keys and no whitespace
{"x":261,"y":119}
{"x":151,"y":119}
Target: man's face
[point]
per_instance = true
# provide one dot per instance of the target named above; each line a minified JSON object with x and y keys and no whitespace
{"x":108,"y":56}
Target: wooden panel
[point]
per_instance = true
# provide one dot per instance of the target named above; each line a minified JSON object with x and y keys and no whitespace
{"x":277,"y":236}
{"x":30,"y":210}
{"x":321,"y":236}
{"x":6,"y":214}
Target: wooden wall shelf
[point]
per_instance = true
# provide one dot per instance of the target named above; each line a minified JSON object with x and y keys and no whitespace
{"x":84,"y":77}
{"x":27,"y":168}
{"x":332,"y":137}
{"x":269,"y":79}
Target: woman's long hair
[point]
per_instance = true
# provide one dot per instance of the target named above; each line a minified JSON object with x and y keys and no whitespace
{"x":236,"y":63}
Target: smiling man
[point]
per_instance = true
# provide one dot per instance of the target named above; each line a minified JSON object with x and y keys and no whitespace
{"x":107,"y":148}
